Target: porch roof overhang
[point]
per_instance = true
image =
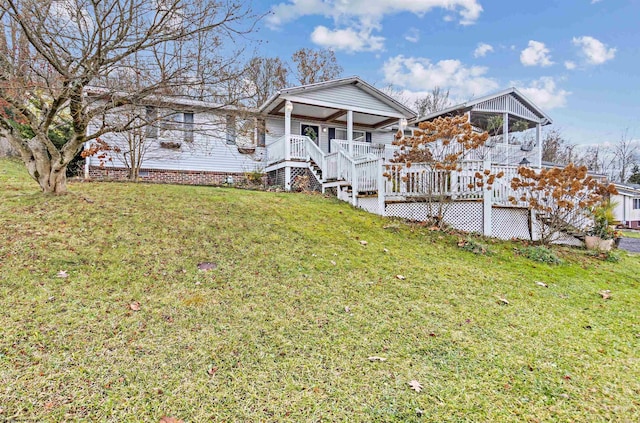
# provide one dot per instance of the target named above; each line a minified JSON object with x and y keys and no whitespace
{"x":321,"y":102}
{"x":510,"y":101}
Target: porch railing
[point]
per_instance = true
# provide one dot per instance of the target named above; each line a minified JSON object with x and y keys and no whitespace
{"x":298,"y":146}
{"x":422,"y":179}
{"x":275,"y":150}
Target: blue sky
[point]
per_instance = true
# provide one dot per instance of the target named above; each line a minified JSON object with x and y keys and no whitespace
{"x":579,"y":60}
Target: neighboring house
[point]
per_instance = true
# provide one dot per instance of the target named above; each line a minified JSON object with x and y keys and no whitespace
{"x":189,"y":142}
{"x":627,"y":201}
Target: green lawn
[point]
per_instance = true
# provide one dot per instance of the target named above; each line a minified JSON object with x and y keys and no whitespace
{"x":631,"y":234}
{"x":282,"y":329}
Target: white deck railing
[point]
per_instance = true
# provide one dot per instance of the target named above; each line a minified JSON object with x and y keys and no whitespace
{"x":298,"y":146}
{"x":275,"y":150}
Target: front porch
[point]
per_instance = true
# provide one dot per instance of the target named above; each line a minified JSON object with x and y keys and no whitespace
{"x":362,"y":173}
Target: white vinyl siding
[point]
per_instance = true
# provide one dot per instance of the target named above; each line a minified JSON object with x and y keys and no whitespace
{"x":348,"y":95}
{"x":209,"y":150}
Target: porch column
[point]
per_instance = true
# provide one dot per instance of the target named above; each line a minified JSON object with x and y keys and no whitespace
{"x":288,"y":108}
{"x":539,"y":144}
{"x":505,"y":135}
{"x":350,"y":131}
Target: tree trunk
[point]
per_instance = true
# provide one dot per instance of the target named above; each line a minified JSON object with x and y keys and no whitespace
{"x":52,"y":182}
{"x":52,"y":177}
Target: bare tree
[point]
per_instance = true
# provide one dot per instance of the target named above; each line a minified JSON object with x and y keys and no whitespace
{"x":436,"y":100}
{"x":315,"y":65}
{"x":266,"y":76}
{"x":625,"y":153}
{"x":557,"y":149}
{"x":53,"y":50}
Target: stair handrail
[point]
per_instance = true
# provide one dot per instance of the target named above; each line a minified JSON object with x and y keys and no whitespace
{"x":315,"y":153}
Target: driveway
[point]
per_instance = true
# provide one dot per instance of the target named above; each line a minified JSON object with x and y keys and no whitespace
{"x":630,"y":244}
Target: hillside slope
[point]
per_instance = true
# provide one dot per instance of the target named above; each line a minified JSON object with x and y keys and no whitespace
{"x":106,"y":317}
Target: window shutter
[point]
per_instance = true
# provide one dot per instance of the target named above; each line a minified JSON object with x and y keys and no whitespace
{"x":231,"y":129}
{"x":188,"y":126}
{"x":367,"y":136}
{"x":152,"y":117}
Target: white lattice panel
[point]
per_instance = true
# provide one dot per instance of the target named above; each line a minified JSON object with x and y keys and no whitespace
{"x":510,"y":222}
{"x":462,"y":215}
{"x":371,"y":205}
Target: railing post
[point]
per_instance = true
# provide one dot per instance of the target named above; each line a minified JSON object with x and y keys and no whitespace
{"x":487,"y":200}
{"x":354,"y":184}
{"x":381,"y":188}
{"x":288,"y":108}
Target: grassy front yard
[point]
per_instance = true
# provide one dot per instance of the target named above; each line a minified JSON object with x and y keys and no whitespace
{"x":282,"y":328}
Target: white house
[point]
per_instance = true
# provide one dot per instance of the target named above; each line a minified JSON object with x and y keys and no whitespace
{"x":189,"y":142}
{"x":627,"y":201}
{"x":337,"y":136}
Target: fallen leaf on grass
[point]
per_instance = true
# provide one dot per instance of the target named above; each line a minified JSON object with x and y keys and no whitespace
{"x":503,"y":301}
{"x":166,"y":419}
{"x":606,"y":294}
{"x":206,"y":266}
{"x":212,"y":371}
{"x":363,"y":243}
{"x":415,"y":385}
{"x":347,"y":309}
{"x":400,"y":277}
{"x":376,"y":358}
{"x":135,"y":306}
{"x":62,"y":274}
{"x":542,"y":284}
{"x":386,"y":250}
{"x":333,"y":262}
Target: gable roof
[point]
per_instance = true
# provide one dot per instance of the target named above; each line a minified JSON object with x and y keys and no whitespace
{"x":477,"y":103}
{"x":334,"y":84}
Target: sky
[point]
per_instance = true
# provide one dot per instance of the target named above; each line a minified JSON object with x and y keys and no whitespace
{"x":578,"y":60}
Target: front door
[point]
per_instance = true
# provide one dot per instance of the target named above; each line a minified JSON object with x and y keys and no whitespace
{"x":312,"y":131}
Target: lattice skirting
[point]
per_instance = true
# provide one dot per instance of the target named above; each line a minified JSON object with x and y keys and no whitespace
{"x":462,"y":215}
{"x":506,"y":222}
{"x":370,"y":204}
{"x":510,"y":222}
{"x":275,"y":178}
{"x":298,"y":175}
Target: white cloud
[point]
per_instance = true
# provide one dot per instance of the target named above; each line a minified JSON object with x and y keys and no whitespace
{"x":594,"y":50}
{"x":347,"y":39}
{"x":365,"y":16}
{"x":570,"y":65}
{"x":420,"y":74}
{"x":412,"y":35}
{"x":537,"y":54}
{"x":595,"y":1}
{"x":468,"y":10}
{"x":482,"y":50}
{"x":544,"y":92}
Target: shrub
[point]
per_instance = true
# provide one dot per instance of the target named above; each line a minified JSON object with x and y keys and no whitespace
{"x":473,"y":246}
{"x":539,"y":253}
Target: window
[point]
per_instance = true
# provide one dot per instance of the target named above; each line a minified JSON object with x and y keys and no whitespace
{"x":231,"y":129}
{"x":636,"y":203}
{"x":151,"y":117}
{"x":187,"y":126}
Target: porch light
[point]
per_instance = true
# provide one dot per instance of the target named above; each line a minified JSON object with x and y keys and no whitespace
{"x":403,"y":123}
{"x":288,"y":107}
{"x":524,"y":162}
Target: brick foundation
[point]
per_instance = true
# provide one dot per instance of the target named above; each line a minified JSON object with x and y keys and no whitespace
{"x":185,"y":177}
